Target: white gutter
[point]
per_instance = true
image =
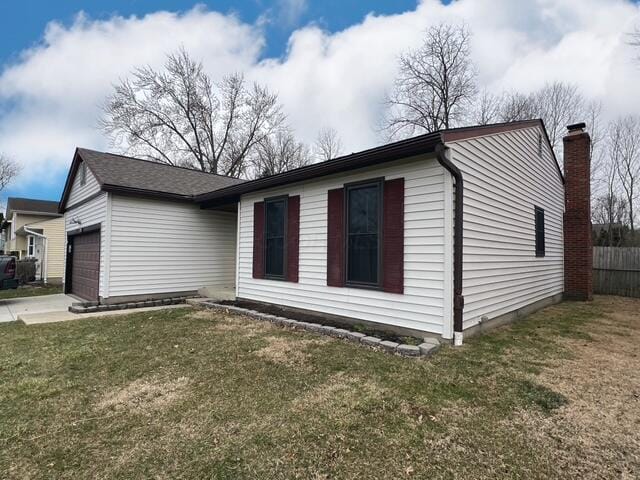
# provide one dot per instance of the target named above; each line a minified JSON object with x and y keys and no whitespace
{"x":44,"y":273}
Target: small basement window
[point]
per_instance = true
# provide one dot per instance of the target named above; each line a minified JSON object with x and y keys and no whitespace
{"x":275,"y":237}
{"x":364,"y":226}
{"x":539,"y":225}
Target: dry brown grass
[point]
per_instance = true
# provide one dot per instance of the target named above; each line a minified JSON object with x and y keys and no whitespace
{"x":597,"y":433}
{"x":184,"y":394}
{"x":286,"y":350}
{"x":144,"y":395}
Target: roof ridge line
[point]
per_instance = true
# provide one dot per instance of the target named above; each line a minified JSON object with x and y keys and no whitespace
{"x":156,"y":163}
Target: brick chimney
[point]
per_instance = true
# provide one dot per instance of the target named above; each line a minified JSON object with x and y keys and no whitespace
{"x":578,"y":248}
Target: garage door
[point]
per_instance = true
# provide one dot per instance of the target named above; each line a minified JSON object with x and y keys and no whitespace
{"x":85,"y":265}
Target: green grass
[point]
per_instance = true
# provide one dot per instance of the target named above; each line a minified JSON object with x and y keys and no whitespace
{"x":30,"y":291}
{"x":173,"y":394}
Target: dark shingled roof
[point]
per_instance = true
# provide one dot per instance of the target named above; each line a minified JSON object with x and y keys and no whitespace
{"x":46,"y":207}
{"x":133,"y":173}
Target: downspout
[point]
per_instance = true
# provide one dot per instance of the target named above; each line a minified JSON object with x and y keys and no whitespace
{"x":43,"y":272}
{"x":458,"y":299}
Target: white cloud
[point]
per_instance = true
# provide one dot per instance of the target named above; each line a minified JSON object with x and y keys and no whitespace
{"x":51,"y":94}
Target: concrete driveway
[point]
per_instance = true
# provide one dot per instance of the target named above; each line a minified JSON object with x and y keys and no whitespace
{"x":12,"y":307}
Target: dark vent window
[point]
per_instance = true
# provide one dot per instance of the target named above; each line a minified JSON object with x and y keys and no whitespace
{"x":539,"y":221}
{"x":363,"y":208}
{"x":83,"y":174}
{"x":540,"y":145}
{"x":275,"y":237}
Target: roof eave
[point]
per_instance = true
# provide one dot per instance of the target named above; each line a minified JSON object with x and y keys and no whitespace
{"x":422,"y":145}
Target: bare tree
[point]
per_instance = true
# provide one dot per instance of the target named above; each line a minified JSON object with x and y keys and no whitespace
{"x":610,"y":211}
{"x":517,"y":106}
{"x":328,"y":144}
{"x":487,"y":109}
{"x":9,"y":170}
{"x":559,"y":104}
{"x":279,"y":153}
{"x":435,"y":86}
{"x":180,"y":117}
{"x":624,"y":138}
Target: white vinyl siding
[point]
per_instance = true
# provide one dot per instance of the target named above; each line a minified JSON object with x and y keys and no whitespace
{"x":421,"y":307}
{"x":162,"y":246}
{"x":91,"y":213}
{"x":80,"y":192}
{"x":504,"y":179}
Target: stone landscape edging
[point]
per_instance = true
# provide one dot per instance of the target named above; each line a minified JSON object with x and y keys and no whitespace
{"x":425,"y":349}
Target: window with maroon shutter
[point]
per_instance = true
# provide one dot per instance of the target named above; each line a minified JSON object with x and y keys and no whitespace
{"x":366,"y":235}
{"x":276,"y":238}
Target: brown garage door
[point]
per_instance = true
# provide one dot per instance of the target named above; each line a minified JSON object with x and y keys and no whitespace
{"x":85,"y":265}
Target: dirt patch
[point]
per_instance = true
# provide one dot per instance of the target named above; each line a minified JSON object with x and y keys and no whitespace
{"x":288,"y":351}
{"x":321,"y":319}
{"x":144,"y":394}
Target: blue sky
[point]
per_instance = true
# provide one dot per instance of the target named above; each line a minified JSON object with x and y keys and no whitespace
{"x":331,"y":62}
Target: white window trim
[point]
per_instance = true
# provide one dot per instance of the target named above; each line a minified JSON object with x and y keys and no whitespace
{"x":31,"y":246}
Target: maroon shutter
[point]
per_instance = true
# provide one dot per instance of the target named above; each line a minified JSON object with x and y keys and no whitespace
{"x":293,"y":238}
{"x":393,"y":236}
{"x":335,"y":238}
{"x":258,"y":240}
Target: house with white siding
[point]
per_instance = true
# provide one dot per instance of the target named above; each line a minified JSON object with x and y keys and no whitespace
{"x":434,"y":235}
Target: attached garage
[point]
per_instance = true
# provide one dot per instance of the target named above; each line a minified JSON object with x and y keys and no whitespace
{"x":83,"y":265}
{"x":135,"y":232}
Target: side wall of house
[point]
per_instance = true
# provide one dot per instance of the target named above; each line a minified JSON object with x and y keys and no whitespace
{"x":425,"y":304}
{"x":162,"y":246}
{"x":54,"y":231}
{"x":505,"y":177}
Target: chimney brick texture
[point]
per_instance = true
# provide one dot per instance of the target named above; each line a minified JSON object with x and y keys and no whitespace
{"x":578,"y":248}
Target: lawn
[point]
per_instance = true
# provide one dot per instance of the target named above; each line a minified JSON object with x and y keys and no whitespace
{"x":30,"y":291}
{"x":195,"y":394}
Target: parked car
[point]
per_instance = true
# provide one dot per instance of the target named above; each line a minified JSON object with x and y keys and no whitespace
{"x":8,"y":278}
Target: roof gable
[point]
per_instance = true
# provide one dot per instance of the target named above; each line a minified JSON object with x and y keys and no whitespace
{"x":128,"y":175}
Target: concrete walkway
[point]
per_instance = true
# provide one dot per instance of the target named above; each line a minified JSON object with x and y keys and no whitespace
{"x":55,"y":308}
{"x":12,"y":308}
{"x":52,"y":317}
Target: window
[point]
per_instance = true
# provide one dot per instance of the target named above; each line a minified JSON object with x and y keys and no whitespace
{"x":364,"y":224}
{"x":83,"y":173}
{"x":539,"y":222}
{"x":275,"y":236}
{"x":31,"y":244}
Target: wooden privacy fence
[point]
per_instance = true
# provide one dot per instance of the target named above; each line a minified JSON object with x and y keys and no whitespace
{"x":616,"y":271}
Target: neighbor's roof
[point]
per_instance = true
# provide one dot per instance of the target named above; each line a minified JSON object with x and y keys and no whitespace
{"x":119,"y":173}
{"x":31,"y":205}
{"x":419,"y":145}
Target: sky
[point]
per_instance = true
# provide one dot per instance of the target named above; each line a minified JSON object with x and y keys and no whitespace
{"x":330,"y":62}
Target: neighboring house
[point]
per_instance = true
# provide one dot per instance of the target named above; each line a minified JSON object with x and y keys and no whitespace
{"x":34,"y":229}
{"x":375,"y":237}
